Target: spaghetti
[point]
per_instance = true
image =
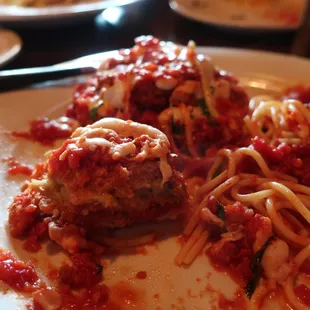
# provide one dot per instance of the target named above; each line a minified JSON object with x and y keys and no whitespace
{"x":285,"y":122}
{"x":250,"y":214}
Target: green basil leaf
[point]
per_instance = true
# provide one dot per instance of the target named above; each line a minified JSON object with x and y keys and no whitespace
{"x":256,"y":269}
{"x":93,"y":113}
{"x":203,"y":106}
{"x":205,"y":111}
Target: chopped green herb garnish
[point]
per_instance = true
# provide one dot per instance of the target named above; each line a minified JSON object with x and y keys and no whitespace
{"x":203,"y":106}
{"x":93,"y":113}
{"x":256,"y":269}
{"x":212,"y":89}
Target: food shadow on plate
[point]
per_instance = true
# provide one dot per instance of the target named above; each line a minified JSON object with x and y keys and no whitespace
{"x":52,"y":254}
{"x":161,"y":231}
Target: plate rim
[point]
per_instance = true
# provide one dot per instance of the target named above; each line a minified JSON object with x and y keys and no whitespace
{"x":13,"y":52}
{"x":20,"y":14}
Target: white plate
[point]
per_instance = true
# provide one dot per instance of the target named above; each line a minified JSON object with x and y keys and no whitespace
{"x":262,"y":72}
{"x":56,"y":15}
{"x":10,"y":45}
{"x":236,"y":14}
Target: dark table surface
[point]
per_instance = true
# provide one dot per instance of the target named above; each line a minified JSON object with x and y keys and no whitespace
{"x":45,"y":46}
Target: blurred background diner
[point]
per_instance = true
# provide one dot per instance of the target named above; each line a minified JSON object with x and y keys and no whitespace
{"x":50,"y":36}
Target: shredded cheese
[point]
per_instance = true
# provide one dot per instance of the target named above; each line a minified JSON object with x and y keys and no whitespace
{"x":156,"y":145}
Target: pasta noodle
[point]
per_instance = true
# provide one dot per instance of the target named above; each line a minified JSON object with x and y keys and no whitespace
{"x":286,"y":121}
{"x":243,"y":183}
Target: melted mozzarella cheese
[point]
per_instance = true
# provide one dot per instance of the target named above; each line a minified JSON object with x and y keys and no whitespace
{"x":91,"y":137}
{"x":166,"y":83}
{"x":92,"y":143}
{"x":123,"y":150}
{"x":115,"y":94}
{"x":70,"y":147}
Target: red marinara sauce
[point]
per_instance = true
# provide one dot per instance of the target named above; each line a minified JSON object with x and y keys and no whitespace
{"x":47,"y":131}
{"x":293,"y":160}
{"x":122,"y":295}
{"x":95,"y":298}
{"x":141,"y":275}
{"x":84,"y":272}
{"x":298,"y":92}
{"x":235,"y":257}
{"x":303,"y":292}
{"x":15,"y":167}
{"x":37,"y":234}
{"x":18,"y":275}
{"x":233,"y":254}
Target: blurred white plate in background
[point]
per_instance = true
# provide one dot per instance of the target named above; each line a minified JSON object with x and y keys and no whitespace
{"x":244,"y":14}
{"x":56,"y":15}
{"x":10,"y":45}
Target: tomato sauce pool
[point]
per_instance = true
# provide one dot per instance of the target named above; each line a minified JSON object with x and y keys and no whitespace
{"x":47,"y":131}
{"x":18,"y":275}
{"x":17,"y":168}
